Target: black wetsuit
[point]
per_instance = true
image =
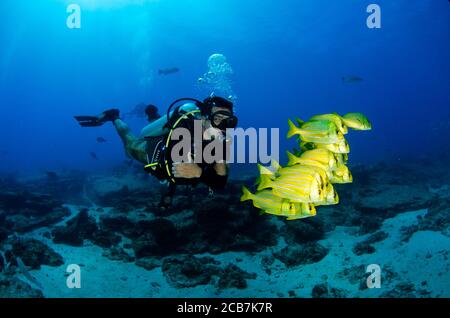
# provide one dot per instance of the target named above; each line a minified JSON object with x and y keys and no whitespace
{"x":159,"y":154}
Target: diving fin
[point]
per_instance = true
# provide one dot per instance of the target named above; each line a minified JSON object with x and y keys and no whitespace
{"x":94,"y":121}
{"x":87,"y":121}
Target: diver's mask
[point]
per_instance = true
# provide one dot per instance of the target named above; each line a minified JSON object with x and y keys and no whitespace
{"x":223,"y":120}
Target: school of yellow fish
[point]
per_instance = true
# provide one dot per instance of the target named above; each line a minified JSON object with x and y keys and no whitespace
{"x":307,"y":181}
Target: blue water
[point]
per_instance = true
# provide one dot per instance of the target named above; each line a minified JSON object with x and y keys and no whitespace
{"x":288,"y":59}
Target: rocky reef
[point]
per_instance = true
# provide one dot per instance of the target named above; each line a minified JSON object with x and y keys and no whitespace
{"x":189,"y":271}
{"x":188,"y":242}
{"x":17,"y":257}
{"x":25,"y":211}
{"x":12,"y":287}
{"x":308,"y":253}
{"x":207,"y":225}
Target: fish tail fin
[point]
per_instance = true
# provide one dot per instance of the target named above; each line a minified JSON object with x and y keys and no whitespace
{"x":292,"y":159}
{"x":264,"y":170}
{"x":265,"y":182}
{"x":275,"y":165}
{"x":293,"y":130}
{"x":247,"y":195}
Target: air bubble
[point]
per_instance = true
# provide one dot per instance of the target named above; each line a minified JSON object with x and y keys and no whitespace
{"x":218,"y":77}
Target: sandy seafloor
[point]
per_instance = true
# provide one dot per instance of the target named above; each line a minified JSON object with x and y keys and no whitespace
{"x":423,"y":258}
{"x":395,"y":217}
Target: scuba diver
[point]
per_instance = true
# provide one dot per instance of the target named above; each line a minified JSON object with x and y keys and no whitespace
{"x":154,"y":145}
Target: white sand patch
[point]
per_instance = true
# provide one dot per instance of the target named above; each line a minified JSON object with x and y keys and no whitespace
{"x":100,"y":277}
{"x":422,"y":258}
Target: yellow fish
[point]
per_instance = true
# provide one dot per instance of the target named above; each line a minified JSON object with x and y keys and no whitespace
{"x":267,"y":201}
{"x":341,"y":158}
{"x":335,"y":118}
{"x":322,"y":155}
{"x":309,"y":160}
{"x":340,"y":147}
{"x":266,"y":170}
{"x":303,"y":210}
{"x":315,"y":164}
{"x":331,"y":196}
{"x":275,"y":166}
{"x":296,"y":211}
{"x":357,"y":121}
{"x":323,"y":131}
{"x":341,"y":175}
{"x":319,"y":174}
{"x":301,"y":188}
{"x":276,"y":171}
{"x":271,"y":204}
{"x":286,"y":210}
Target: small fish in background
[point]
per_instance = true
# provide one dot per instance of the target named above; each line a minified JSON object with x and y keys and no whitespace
{"x":101,"y":140}
{"x":352,"y":79}
{"x":93,"y":155}
{"x":168,"y":71}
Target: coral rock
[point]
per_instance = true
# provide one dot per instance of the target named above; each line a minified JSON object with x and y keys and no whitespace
{"x":76,"y":230}
{"x":11,"y":287}
{"x":149,"y":263}
{"x":293,"y":255}
{"x":234,"y":277}
{"x":34,"y":253}
{"x":189,"y":271}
